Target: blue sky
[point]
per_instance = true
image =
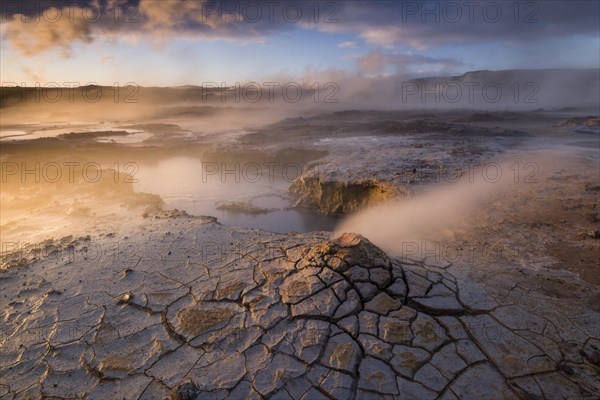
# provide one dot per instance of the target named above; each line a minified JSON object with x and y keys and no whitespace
{"x":173,"y":43}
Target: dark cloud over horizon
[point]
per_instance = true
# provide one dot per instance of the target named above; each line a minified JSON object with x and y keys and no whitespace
{"x":412,"y":24}
{"x":380,"y":37}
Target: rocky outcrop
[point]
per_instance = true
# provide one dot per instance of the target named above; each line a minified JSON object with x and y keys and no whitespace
{"x":340,"y":197}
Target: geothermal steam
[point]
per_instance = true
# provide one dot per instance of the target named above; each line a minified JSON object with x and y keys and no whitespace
{"x":442,"y":211}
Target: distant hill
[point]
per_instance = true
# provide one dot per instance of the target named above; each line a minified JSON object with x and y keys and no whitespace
{"x":519,"y":88}
{"x":506,"y":89}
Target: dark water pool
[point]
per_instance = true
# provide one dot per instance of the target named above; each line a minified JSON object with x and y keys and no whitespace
{"x":181,"y":184}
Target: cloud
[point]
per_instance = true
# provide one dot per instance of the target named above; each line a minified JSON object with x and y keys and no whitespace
{"x":373,"y":63}
{"x":38,"y":27}
{"x":377,"y":63}
{"x":427,"y":24}
{"x":105,"y":59}
{"x":347,"y":45}
{"x":399,"y":25}
{"x":34,"y":76}
{"x":32,"y":36}
{"x":393,"y":37}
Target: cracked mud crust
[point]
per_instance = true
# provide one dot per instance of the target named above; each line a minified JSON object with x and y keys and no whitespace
{"x":189,"y":309}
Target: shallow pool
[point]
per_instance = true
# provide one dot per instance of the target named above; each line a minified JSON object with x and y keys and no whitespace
{"x":185,"y":183}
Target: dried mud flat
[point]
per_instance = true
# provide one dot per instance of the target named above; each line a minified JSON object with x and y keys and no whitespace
{"x":183,"y":307}
{"x":186,"y":308}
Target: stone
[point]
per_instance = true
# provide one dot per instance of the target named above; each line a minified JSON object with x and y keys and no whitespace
{"x":281,"y":394}
{"x":453,"y":326}
{"x":439,"y":305}
{"x":432,"y":276}
{"x":276,"y":373}
{"x":156,"y":390}
{"x":368,"y":322}
{"x":382,"y":304}
{"x":299,"y":386}
{"x":350,"y":306}
{"x":380,"y":277}
{"x":407,"y":360}
{"x":76,"y":383}
{"x":341,"y":353}
{"x":469,"y":351}
{"x":431,"y":377}
{"x":131,"y":354}
{"x":556,"y":386}
{"x":427,"y":333}
{"x":357,"y":274}
{"x":310,"y":340}
{"x":511,"y":353}
{"x":67,"y":357}
{"x":395,"y":330}
{"x":516,"y":318}
{"x":185,"y":357}
{"x":329,"y":276}
{"x":350,"y":325}
{"x":300,"y":286}
{"x":417,"y":285}
{"x":244,"y":390}
{"x":410,"y":389}
{"x":375,"y":375}
{"x":314,"y":394}
{"x":336,"y":263}
{"x":132,"y":386}
{"x":315,"y":376}
{"x":527,"y":387}
{"x":375,"y":347}
{"x":448,"y":395}
{"x":367,"y":394}
{"x":224,"y":373}
{"x":366,"y":290}
{"x":448,"y":362}
{"x":474,"y":297}
{"x":338,"y":385}
{"x":205,"y":321}
{"x":439,"y":289}
{"x":340,"y":288}
{"x":480,"y":382}
{"x":323,"y":303}
{"x":257,"y":357}
{"x":397,"y":289}
{"x":283,"y":331}
{"x":591,"y":351}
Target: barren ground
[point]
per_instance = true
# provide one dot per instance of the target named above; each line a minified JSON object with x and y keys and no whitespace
{"x":127,"y":300}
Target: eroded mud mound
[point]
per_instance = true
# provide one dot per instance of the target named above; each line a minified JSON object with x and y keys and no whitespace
{"x":201,"y":311}
{"x":341,"y":197}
